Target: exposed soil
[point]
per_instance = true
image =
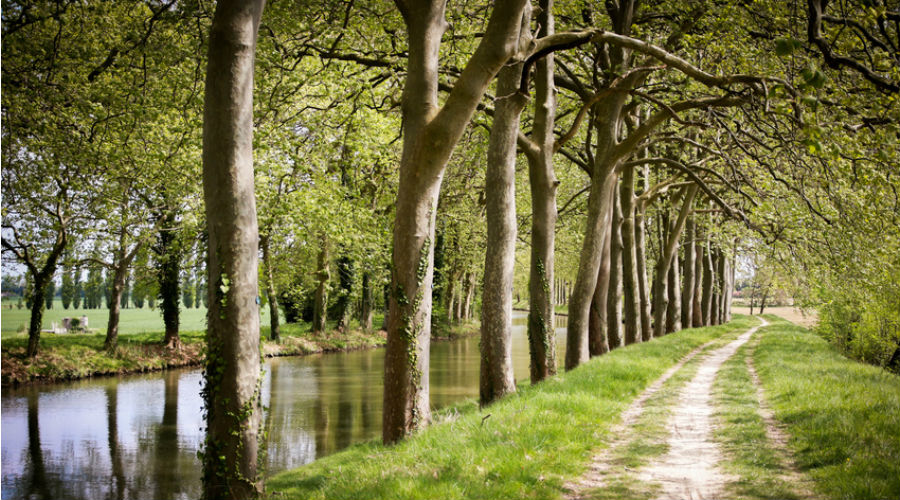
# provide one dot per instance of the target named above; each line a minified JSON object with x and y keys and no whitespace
{"x":690,"y":468}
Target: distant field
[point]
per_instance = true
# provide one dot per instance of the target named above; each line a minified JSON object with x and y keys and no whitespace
{"x":15,"y":321}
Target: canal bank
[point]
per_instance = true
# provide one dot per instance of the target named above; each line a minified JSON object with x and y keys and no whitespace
{"x":138,"y":436}
{"x":63,"y":358}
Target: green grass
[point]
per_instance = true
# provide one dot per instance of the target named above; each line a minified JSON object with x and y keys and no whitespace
{"x":67,"y":357}
{"x":741,"y":431}
{"x":843,"y":416}
{"x":524,"y":446}
{"x":14,"y":322}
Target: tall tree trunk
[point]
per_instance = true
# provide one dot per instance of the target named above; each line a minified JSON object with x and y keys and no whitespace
{"x":715,"y":299}
{"x":673,"y":311}
{"x":598,"y":218}
{"x":430,"y":133}
{"x":471,"y":282}
{"x":640,"y":249}
{"x":122,"y":264}
{"x":667,"y":254}
{"x":723,"y":285}
{"x":271,"y":293}
{"x":40,"y":278}
{"x":630,"y":287}
{"x":496,"y":379}
{"x":232,"y":387}
{"x":687,"y":293}
{"x":367,"y":311}
{"x":699,"y":259}
{"x":614,"y":295}
{"x":708,"y":272}
{"x":598,"y":340}
{"x":168,"y":251}
{"x":542,"y":183}
{"x":345,"y":278}
{"x":323,"y":274}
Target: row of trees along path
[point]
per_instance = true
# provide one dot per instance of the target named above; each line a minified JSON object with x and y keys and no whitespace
{"x":675,"y":132}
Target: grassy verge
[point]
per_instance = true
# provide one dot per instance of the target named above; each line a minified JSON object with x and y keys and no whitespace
{"x":741,"y":431}
{"x":843,"y":416}
{"x":69,"y":357}
{"x":524,"y":446}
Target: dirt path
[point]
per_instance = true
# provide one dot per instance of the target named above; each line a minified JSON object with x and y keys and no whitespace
{"x":601,"y":464}
{"x":690,"y":468}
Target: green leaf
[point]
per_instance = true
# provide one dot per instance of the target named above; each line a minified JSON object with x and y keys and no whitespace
{"x":786,"y":46}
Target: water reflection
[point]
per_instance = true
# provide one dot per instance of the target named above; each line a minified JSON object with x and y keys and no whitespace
{"x":137,"y":437}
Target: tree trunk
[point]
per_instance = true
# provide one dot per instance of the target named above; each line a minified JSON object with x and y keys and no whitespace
{"x":323,"y":274}
{"x":471,"y":282}
{"x":699,"y":260}
{"x":429,"y":136}
{"x":367,"y":311}
{"x":640,"y":249}
{"x":345,"y":278}
{"x":667,"y":254}
{"x":715,"y":300}
{"x":168,"y":275}
{"x":687,"y":293}
{"x":630,"y":287}
{"x":271,"y":293}
{"x":598,"y":218}
{"x":41,"y":278}
{"x":598,"y":340}
{"x":232,"y":387}
{"x":707,"y":285}
{"x":762,"y":301}
{"x":496,"y":379}
{"x":614,"y":295}
{"x":673,"y":311}
{"x":543,"y":183}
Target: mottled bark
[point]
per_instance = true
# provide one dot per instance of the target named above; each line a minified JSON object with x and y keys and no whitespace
{"x":598,"y":341}
{"x":614,"y":295}
{"x":542,"y":183}
{"x":430,"y":132}
{"x":699,"y":260}
{"x":630,"y":288}
{"x":640,"y":250}
{"x":667,"y":255}
{"x":231,"y":391}
{"x":496,"y":375}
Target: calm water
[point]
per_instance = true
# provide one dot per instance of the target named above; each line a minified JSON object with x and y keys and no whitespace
{"x":137,"y":437}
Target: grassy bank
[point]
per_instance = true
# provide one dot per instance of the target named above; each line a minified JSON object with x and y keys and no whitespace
{"x":843,"y":416}
{"x":524,"y":446}
{"x":68,"y":357}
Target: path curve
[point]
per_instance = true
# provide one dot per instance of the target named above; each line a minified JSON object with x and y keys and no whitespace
{"x":690,"y":468}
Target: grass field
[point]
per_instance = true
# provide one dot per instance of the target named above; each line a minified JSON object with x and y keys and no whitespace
{"x":15,"y":321}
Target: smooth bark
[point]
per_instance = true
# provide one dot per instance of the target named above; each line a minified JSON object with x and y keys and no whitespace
{"x":542,"y":184}
{"x":667,"y":254}
{"x":232,"y":387}
{"x":630,"y":288}
{"x":687,"y":292}
{"x":496,"y":375}
{"x":598,"y":340}
{"x":429,"y":136}
{"x":271,"y":293}
{"x":614,"y":295}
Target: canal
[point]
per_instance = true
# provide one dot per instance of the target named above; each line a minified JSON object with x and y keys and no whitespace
{"x":137,"y":437}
